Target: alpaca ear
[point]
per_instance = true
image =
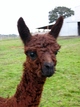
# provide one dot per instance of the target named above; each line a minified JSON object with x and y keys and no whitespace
{"x":56,"y":27}
{"x":23,"y":31}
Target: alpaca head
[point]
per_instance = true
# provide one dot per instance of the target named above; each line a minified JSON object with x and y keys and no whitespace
{"x":40,"y":49}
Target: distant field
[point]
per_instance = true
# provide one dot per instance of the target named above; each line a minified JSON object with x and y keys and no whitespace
{"x":61,"y":90}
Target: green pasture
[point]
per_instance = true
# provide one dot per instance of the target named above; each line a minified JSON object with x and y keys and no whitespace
{"x":61,"y":90}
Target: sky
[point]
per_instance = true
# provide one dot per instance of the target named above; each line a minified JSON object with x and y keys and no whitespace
{"x":34,"y":12}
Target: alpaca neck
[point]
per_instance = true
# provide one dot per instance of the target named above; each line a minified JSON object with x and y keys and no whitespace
{"x":29,"y":90}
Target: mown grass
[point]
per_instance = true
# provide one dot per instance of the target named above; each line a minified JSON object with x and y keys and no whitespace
{"x":61,"y":90}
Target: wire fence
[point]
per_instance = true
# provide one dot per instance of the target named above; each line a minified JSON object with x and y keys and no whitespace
{"x":11,"y":36}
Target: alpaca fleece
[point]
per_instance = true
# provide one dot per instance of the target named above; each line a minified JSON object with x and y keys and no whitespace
{"x":40,"y":51}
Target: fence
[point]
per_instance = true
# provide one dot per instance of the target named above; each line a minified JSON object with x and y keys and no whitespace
{"x":11,"y":36}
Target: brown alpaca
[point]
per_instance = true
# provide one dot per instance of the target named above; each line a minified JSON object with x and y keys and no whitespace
{"x":40,"y":63}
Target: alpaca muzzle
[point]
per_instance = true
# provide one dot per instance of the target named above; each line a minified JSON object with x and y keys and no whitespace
{"x":48,"y":69}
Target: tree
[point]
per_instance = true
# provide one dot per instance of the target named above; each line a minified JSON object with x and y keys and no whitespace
{"x":59,"y":11}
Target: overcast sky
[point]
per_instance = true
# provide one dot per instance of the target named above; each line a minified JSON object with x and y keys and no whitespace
{"x":34,"y":12}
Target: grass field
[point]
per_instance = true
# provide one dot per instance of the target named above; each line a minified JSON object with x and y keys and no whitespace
{"x":61,"y":90}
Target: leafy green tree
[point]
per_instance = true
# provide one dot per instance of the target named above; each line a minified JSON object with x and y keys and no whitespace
{"x":59,"y":11}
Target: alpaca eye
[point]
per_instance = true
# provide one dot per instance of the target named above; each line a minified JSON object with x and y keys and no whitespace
{"x":56,"y":52}
{"x":32,"y":55}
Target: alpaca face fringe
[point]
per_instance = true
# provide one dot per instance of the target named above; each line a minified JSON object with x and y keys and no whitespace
{"x":42,"y":60}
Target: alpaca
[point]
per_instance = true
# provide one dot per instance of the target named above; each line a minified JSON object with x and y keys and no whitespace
{"x":40,"y":51}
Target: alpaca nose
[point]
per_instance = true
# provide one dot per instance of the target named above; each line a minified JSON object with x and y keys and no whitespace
{"x":48,"y":69}
{"x":49,"y":65}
